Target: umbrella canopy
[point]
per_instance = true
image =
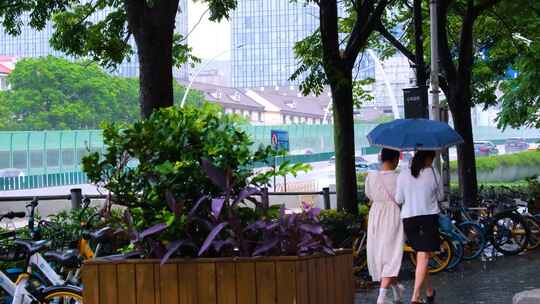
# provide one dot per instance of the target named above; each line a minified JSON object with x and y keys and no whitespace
{"x":414,"y":134}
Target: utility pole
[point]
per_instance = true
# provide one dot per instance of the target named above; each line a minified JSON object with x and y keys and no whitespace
{"x":437,"y":112}
{"x":434,"y":75}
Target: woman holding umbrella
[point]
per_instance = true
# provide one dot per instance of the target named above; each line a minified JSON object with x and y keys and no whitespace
{"x":419,"y":191}
{"x":418,"y":187}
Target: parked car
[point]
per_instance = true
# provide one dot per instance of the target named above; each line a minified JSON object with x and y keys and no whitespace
{"x":485,"y":148}
{"x":362,"y":167}
{"x":361,"y":164}
{"x":515,"y":145}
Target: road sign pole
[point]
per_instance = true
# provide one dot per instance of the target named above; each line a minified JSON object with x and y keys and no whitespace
{"x":275,"y":166}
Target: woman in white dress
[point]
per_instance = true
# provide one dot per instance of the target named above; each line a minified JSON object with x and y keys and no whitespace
{"x":385,"y":237}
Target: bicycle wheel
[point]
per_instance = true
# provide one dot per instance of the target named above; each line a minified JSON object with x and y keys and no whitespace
{"x":476,"y":241}
{"x":439,"y":260}
{"x":359,"y":253}
{"x":534,"y":236}
{"x":62,"y":295}
{"x":509,"y":233}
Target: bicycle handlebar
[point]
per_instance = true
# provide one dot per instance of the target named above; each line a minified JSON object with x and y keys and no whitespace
{"x":11,"y":215}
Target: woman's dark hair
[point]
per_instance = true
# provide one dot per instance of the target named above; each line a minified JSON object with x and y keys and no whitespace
{"x":389,"y":155}
{"x":419,"y":161}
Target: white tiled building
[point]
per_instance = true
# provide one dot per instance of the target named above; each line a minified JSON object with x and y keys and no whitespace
{"x":7,"y":64}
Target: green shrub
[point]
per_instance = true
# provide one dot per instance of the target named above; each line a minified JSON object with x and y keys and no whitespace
{"x":156,"y":168}
{"x":361,"y":179}
{"x":337,"y":226}
{"x":533,"y":191}
{"x":490,"y":163}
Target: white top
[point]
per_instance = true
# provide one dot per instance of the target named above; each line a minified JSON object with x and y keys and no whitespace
{"x":381,"y":186}
{"x":419,"y":196}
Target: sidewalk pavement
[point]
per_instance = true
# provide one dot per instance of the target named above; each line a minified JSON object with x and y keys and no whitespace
{"x":476,"y":282}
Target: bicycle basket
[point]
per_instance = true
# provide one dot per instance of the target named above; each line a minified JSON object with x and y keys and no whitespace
{"x":445,"y":223}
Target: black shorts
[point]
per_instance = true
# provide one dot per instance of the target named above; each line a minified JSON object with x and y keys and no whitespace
{"x":422,"y":232}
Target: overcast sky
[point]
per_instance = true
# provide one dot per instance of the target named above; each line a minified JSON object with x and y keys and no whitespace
{"x":209,"y":39}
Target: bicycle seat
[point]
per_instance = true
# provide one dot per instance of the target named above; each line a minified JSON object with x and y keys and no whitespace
{"x":32,"y":247}
{"x":69,"y":259}
{"x":100,"y":235}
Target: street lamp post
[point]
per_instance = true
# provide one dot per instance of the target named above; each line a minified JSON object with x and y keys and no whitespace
{"x":436,"y":109}
{"x":211,"y":60}
{"x":434,"y":74}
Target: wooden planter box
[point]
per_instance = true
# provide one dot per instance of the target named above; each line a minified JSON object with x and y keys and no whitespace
{"x":279,"y":280}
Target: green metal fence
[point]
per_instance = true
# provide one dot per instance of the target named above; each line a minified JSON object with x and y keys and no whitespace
{"x":42,"y":180}
{"x":53,"y":157}
{"x":38,"y":153}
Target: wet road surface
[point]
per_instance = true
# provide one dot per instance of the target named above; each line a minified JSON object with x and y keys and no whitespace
{"x":475,"y":282}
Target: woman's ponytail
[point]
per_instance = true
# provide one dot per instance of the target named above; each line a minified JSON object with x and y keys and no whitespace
{"x":419,"y":161}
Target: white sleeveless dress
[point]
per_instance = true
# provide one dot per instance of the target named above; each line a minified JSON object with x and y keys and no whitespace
{"x":385,"y":237}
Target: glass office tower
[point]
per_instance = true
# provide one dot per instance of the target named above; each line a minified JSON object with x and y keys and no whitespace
{"x":33,"y":43}
{"x":263,"y":34}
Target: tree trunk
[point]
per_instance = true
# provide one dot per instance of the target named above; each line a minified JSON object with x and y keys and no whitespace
{"x":153,"y":30}
{"x":342,"y":100}
{"x":466,"y":159}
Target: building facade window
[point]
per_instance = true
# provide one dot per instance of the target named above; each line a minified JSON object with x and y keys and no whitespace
{"x":268,"y":29}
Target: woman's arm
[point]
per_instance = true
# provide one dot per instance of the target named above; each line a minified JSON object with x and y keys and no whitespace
{"x":439,"y":188}
{"x":367,"y":187}
{"x":400,"y":190}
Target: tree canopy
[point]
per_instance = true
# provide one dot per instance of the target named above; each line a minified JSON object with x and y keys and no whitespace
{"x":477,"y":45}
{"x":328,"y":58}
{"x":54,"y":93}
{"x":102,"y":29}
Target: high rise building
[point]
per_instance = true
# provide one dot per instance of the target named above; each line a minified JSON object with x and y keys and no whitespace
{"x":33,"y":43}
{"x":263,"y":34}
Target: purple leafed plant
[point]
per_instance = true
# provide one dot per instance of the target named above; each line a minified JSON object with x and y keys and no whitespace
{"x":227,"y":231}
{"x":294,"y":234}
{"x":289,"y":234}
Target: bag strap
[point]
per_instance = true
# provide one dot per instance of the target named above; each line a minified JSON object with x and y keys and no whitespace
{"x":386,"y":189}
{"x":438,"y":188}
{"x":435,"y":177}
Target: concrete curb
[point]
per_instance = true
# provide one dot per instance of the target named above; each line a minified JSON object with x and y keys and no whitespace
{"x":527,"y":297}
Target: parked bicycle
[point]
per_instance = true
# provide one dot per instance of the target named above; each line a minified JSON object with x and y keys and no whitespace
{"x":29,"y":288}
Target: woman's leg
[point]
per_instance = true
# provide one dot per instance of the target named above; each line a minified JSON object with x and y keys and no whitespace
{"x":386,"y":282}
{"x":422,"y":259}
{"x":384,"y":290}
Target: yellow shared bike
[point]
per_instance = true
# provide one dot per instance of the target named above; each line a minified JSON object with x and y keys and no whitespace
{"x":439,"y":260}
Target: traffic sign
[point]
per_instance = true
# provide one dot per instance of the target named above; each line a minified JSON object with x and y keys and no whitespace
{"x":280,"y":140}
{"x":416,"y":102}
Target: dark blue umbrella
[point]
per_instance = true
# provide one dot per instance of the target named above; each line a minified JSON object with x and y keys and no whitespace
{"x":414,"y":134}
